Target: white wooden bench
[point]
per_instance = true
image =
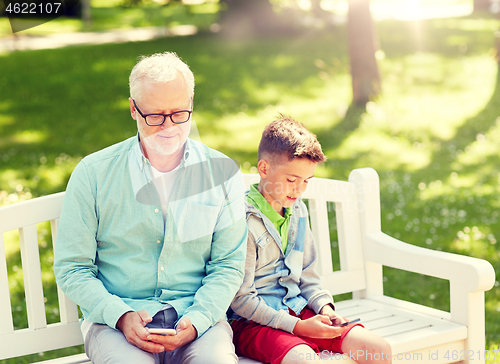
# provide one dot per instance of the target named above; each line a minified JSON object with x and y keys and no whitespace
{"x":417,"y":334}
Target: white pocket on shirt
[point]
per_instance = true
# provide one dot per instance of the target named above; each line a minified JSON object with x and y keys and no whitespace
{"x":197,"y":221}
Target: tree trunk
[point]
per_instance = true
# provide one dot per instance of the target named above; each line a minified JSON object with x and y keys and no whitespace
{"x":246,"y":18}
{"x":497,"y":47}
{"x":86,"y":12}
{"x":481,"y":5}
{"x":362,"y":46}
{"x":317,"y":11}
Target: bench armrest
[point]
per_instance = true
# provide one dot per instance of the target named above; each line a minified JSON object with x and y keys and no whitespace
{"x":474,"y":275}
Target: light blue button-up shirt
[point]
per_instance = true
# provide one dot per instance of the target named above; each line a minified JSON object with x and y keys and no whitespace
{"x":115,"y":254}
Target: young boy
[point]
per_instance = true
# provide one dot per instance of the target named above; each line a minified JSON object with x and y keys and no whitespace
{"x":282,"y":315}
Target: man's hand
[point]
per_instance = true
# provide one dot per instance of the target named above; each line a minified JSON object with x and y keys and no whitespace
{"x":334,"y":317}
{"x":186,"y":333}
{"x":132,"y":325}
{"x":319,"y":327}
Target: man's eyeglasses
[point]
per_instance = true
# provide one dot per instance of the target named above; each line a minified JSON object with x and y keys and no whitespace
{"x":177,"y":117}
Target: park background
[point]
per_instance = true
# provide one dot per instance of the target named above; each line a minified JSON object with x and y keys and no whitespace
{"x":432,"y":129}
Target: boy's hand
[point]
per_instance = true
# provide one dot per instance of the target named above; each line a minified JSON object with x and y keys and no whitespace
{"x":319,"y":327}
{"x":336,"y":319}
{"x":186,"y":333}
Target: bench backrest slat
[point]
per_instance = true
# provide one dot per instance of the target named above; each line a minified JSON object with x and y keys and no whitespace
{"x":6,"y":323}
{"x":349,"y":237}
{"x":318,"y":212}
{"x":67,"y":309}
{"x":31,"y":212}
{"x":28,"y":341}
{"x":32,"y":274}
{"x":340,"y":282}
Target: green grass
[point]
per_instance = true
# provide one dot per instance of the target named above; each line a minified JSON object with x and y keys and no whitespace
{"x":432,"y":136}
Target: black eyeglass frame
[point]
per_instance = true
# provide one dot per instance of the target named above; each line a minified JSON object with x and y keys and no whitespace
{"x":164,"y":115}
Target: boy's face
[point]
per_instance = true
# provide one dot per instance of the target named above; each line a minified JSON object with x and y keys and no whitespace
{"x":284,"y":181}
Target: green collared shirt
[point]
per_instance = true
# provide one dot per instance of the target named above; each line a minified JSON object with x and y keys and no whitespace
{"x":281,"y":223}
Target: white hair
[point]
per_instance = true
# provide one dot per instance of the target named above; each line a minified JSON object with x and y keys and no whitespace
{"x":159,"y":68}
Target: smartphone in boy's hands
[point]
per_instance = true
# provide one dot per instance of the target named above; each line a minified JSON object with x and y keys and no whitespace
{"x":349,"y":322}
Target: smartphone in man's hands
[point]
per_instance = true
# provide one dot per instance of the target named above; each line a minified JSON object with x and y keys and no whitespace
{"x":162,"y":331}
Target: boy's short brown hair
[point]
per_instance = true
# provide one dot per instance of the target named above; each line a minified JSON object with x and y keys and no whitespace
{"x":288,"y":138}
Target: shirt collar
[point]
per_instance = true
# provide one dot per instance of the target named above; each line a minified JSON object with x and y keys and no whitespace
{"x":259,"y":201}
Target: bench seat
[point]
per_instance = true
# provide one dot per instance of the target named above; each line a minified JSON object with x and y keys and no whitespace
{"x":82,"y":359}
{"x":416,"y":333}
{"x":409,"y":329}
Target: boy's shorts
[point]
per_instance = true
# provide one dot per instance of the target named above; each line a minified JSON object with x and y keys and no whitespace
{"x":269,"y":345}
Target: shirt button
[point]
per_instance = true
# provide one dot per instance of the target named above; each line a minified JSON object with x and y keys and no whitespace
{"x":158,"y":241}
{"x":162,"y":268}
{"x":156,"y":210}
{"x":281,"y":279}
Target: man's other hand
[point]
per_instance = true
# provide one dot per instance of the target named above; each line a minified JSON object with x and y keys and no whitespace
{"x":132,"y":324}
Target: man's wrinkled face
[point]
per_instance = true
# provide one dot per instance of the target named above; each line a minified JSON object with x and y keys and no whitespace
{"x":168,"y":138}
